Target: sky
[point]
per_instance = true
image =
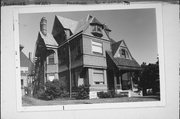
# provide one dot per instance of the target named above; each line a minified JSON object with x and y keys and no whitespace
{"x":137,"y":27}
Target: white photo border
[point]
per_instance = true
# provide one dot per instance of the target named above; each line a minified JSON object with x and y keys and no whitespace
{"x":67,"y":8}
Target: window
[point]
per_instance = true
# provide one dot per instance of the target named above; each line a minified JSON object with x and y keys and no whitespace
{"x":97,"y":47}
{"x":98,"y":76}
{"x":51,"y":59}
{"x":123,"y":53}
{"x":51,"y":77}
{"x":67,"y":33}
{"x":22,"y":83}
{"x":97,"y":30}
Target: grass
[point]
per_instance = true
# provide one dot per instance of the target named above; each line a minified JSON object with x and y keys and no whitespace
{"x":30,"y":101}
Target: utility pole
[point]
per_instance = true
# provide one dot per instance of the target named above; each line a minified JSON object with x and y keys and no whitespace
{"x":70,"y":81}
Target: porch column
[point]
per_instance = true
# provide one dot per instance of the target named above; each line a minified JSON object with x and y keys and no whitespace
{"x":45,"y":71}
{"x":120,"y":82}
{"x":115,"y":82}
{"x":131,"y":81}
{"x":90,"y":76}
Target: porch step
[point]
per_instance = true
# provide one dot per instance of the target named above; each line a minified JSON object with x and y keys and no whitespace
{"x":129,"y":93}
{"x":135,"y":94}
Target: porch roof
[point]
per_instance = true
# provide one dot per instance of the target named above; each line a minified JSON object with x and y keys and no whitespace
{"x":124,"y":64}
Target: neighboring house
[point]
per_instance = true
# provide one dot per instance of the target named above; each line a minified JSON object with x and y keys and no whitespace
{"x":95,"y":59}
{"x":26,"y":70}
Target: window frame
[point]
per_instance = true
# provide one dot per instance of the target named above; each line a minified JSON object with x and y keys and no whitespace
{"x":51,"y":63}
{"x":97,"y":29}
{"x":49,"y":75}
{"x":98,"y":71}
{"x":123,"y":52}
{"x":94,"y":43}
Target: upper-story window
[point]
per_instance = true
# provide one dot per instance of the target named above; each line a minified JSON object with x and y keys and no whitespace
{"x":97,"y":47}
{"x":67,"y":33}
{"x":123,"y":53}
{"x":97,"y":30}
{"x":51,"y":59}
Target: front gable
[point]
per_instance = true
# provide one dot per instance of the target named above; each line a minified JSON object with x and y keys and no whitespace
{"x":96,"y":29}
{"x":123,"y":51}
{"x":58,"y":31}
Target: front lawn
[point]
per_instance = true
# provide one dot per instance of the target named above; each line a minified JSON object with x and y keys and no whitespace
{"x":30,"y":101}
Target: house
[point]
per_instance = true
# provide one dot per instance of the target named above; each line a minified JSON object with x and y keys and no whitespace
{"x":84,"y":54}
{"x":46,"y":57}
{"x":26,"y":66}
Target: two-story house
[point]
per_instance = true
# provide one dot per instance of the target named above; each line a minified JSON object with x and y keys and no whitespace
{"x":88,"y":42}
{"x":85,"y":55}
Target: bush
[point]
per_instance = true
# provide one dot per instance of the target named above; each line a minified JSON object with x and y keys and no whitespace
{"x":82,"y":92}
{"x":109,"y":94}
{"x":53,"y":89}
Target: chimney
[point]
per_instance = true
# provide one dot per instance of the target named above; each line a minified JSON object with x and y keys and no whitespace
{"x":21,"y":47}
{"x":43,"y":26}
{"x":30,"y":56}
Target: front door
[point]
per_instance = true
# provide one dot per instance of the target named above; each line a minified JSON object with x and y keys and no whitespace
{"x":126,"y":81}
{"x":117,"y":82}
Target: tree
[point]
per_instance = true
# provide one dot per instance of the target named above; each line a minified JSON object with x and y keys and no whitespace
{"x":149,"y":77}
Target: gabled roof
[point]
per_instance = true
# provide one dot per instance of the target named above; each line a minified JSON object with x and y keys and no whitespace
{"x":68,"y":23}
{"x":95,"y":21}
{"x":48,"y":40}
{"x":82,"y":25}
{"x":115,"y":46}
{"x":24,"y":60}
{"x":122,"y":63}
{"x":78,"y":26}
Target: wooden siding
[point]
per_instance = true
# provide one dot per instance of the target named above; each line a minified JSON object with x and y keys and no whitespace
{"x":90,"y":58}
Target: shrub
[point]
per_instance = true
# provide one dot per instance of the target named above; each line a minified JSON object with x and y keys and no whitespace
{"x":28,"y":90}
{"x":109,"y":94}
{"x":53,"y":89}
{"x":82,"y":92}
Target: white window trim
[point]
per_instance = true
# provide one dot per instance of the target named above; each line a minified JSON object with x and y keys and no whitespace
{"x":95,"y":71}
{"x":51,"y":75}
{"x":97,"y":44}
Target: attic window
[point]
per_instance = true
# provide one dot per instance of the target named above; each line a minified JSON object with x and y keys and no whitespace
{"x":97,"y":30}
{"x":67,"y":33}
{"x":123,"y":53}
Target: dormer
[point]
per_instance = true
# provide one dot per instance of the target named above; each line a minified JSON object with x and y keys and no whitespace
{"x":120,"y":50}
{"x":107,"y":30}
{"x":96,"y":27}
{"x":68,"y":33}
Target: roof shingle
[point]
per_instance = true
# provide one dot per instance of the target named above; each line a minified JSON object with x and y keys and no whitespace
{"x":123,"y":63}
{"x":48,"y":40}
